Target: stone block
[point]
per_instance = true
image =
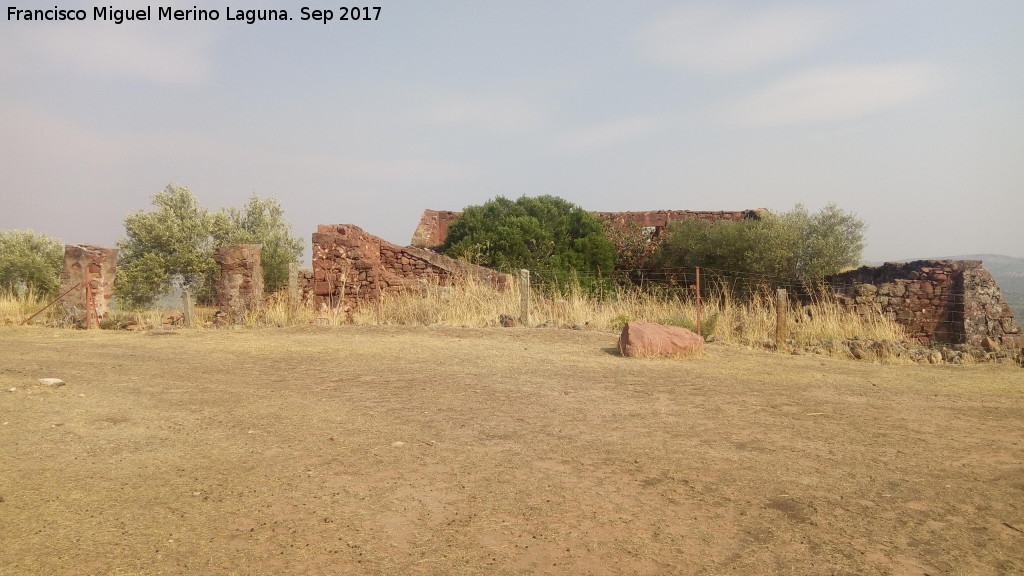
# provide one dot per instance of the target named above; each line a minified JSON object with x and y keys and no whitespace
{"x":650,"y":339}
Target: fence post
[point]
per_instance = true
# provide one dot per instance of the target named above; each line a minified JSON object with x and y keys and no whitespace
{"x":700,"y":328}
{"x":524,"y":297}
{"x":781,"y":317}
{"x":186,"y":307}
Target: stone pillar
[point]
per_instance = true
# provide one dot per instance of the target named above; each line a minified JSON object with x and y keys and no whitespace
{"x":240,"y":286}
{"x":90,"y":302}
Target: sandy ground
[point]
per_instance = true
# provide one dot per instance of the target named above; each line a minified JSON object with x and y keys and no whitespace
{"x":361,"y":450}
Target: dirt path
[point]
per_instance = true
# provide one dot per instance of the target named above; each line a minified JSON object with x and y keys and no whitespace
{"x":456,"y":451}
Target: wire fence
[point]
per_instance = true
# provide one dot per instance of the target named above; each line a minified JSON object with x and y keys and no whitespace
{"x":942,"y":308}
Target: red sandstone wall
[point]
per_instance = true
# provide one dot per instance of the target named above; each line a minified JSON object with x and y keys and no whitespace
{"x":239,"y":287}
{"x":349,"y":264}
{"x":937,"y":301}
{"x":101,"y":265}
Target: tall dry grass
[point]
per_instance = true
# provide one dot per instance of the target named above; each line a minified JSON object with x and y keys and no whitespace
{"x":748,"y":321}
{"x":15,"y":308}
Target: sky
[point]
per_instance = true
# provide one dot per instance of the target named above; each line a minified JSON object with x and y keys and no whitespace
{"x":909,"y":114}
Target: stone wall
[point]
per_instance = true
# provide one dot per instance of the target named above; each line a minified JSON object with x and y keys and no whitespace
{"x":433,"y":227}
{"x":350,"y":264}
{"x":100,"y":264}
{"x":239,"y":288}
{"x":304,"y":285}
{"x":937,"y":301}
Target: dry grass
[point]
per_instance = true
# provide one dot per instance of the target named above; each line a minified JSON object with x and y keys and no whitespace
{"x":751,"y":322}
{"x":725,"y":318}
{"x":16,"y":308}
{"x":413,"y":450}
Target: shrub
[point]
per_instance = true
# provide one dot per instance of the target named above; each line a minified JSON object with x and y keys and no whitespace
{"x":795,"y":245}
{"x":544,"y":233}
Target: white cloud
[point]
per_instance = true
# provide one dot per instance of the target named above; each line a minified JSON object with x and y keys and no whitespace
{"x":713,"y":38}
{"x":606,"y":135}
{"x":834,"y":94}
{"x":155,"y":54}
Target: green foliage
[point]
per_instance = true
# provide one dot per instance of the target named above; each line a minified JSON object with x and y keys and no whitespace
{"x":174,"y":245}
{"x":619,"y":321}
{"x":708,"y":323}
{"x":30,"y":261}
{"x":825,"y":243}
{"x":262,"y":222}
{"x":795,"y":244}
{"x":543,"y":233}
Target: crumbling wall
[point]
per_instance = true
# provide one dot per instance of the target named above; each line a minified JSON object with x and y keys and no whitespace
{"x":100,"y":265}
{"x":937,"y":301}
{"x":350,"y":264}
{"x":433,"y":226}
{"x":304,"y":281}
{"x":239,"y":288}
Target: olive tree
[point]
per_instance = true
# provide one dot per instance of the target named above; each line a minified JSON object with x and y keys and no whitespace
{"x":173,"y":245}
{"x":795,"y":245}
{"x":261,"y":221}
{"x":30,"y":261}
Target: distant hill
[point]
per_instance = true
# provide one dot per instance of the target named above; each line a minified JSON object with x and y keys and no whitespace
{"x":1008,"y":272}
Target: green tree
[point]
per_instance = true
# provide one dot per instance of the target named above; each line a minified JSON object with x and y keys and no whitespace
{"x":545,"y":232}
{"x":262,"y":222}
{"x":172,"y":244}
{"x":30,"y":261}
{"x":827,"y":242}
{"x":795,"y":244}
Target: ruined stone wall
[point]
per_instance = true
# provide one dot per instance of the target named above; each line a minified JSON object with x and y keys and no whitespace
{"x":239,"y":288}
{"x":101,"y":265}
{"x":304,"y":279}
{"x":433,"y":227}
{"x":937,"y":301}
{"x":350,"y":264}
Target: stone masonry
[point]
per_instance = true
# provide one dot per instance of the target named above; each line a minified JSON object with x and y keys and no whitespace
{"x":240,"y":286}
{"x":937,"y":301}
{"x":100,"y":264}
{"x":350,"y":264}
{"x":433,"y":227}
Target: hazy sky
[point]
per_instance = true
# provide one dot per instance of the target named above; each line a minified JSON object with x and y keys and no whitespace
{"x":908,"y":113}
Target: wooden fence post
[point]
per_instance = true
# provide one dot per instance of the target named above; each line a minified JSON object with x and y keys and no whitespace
{"x":524,"y":297}
{"x":781,"y":317}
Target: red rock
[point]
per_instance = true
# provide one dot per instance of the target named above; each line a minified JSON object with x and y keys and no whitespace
{"x":650,"y":339}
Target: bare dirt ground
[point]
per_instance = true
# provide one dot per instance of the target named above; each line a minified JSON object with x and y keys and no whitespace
{"x":359,"y":450}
